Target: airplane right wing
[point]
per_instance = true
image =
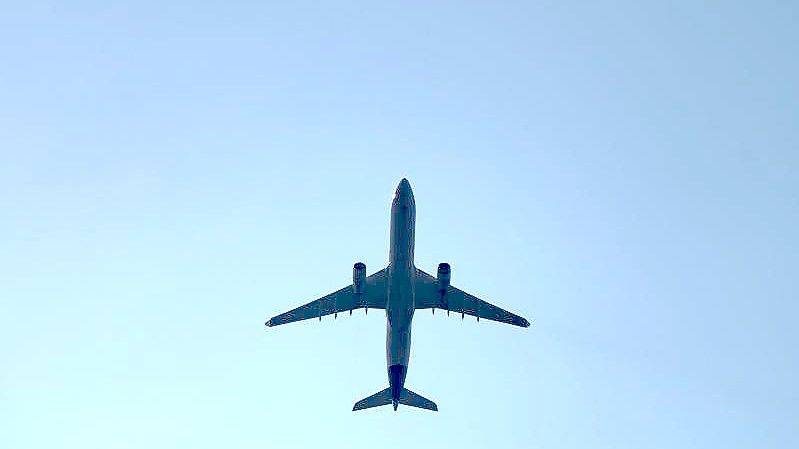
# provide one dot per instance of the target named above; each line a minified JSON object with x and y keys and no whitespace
{"x":342,"y":300}
{"x":429,"y":295}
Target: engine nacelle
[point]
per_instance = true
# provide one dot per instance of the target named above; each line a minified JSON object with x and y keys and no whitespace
{"x":443,"y":276}
{"x":359,"y":278}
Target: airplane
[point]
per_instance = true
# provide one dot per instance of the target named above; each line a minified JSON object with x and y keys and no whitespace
{"x":399,"y":289}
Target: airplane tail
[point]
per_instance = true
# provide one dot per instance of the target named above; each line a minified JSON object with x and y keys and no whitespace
{"x":407,"y":397}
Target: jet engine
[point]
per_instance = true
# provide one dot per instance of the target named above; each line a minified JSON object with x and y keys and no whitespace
{"x":359,"y":278}
{"x":443,"y":276}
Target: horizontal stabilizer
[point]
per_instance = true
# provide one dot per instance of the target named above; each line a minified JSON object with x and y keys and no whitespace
{"x":408,"y":397}
{"x":375,"y":400}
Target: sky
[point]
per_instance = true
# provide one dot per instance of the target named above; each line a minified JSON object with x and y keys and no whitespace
{"x":622,"y":174}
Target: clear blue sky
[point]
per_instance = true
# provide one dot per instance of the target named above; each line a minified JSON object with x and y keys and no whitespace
{"x":623,"y":175}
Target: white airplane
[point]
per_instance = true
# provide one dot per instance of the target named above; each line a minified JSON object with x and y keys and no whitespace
{"x":399,"y":289}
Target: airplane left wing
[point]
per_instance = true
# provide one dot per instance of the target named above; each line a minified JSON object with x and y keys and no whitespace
{"x":429,"y":295}
{"x":343,"y":300}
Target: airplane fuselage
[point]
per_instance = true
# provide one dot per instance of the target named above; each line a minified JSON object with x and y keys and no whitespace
{"x":401,"y":296}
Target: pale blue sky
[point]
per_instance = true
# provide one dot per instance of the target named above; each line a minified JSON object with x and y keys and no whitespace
{"x":625,"y":176}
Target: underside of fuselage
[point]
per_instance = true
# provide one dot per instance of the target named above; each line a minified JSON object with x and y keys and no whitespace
{"x":400,"y":304}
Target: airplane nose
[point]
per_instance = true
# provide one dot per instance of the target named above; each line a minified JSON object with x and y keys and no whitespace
{"x":404,"y":187}
{"x":404,"y":195}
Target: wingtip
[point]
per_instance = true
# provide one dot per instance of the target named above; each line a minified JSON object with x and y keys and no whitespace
{"x":525,"y":323}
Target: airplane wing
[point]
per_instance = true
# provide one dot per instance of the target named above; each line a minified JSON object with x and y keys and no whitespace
{"x":428,"y":295}
{"x":342,"y":300}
